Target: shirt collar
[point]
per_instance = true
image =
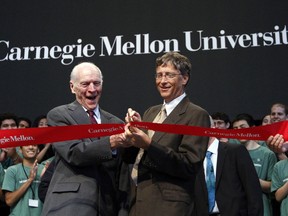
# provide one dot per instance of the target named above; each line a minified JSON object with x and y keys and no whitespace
{"x":96,"y":112}
{"x":214,"y":146}
{"x":172,"y":104}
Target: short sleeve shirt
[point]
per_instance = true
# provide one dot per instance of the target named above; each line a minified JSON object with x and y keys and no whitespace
{"x":264,"y":160}
{"x":279,"y":178}
{"x":14,"y":178}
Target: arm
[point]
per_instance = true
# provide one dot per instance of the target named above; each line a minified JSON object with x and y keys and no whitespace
{"x":270,"y":160}
{"x":2,"y":198}
{"x":174,"y":154}
{"x":265,"y":185}
{"x":43,"y":152}
{"x":279,"y":186}
{"x":12,"y":197}
{"x":82,"y":152}
{"x":12,"y":153}
{"x":282,"y":192}
{"x":281,"y":156}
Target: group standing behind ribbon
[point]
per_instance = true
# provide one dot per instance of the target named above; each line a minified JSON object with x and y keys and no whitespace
{"x":92,"y":162}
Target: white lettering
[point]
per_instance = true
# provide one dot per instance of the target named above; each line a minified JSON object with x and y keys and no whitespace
{"x":143,"y":44}
{"x":117,"y":47}
{"x":67,"y":53}
{"x":245,"y":40}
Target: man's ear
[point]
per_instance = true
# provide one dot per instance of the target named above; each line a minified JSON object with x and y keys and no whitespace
{"x":185,"y":79}
{"x":227,"y":125}
{"x":72,"y":87}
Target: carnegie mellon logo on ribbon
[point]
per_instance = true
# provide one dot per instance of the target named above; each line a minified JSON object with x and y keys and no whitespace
{"x":34,"y":136}
{"x":253,"y":133}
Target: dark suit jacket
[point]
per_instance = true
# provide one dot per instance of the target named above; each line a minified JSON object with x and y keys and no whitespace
{"x":238,"y":190}
{"x":168,"y":168}
{"x":87,"y":178}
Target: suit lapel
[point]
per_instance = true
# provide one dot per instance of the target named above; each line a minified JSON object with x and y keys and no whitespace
{"x":77,"y":112}
{"x":79,"y":115}
{"x":173,"y":117}
{"x":105,"y":118}
{"x":222,"y":151}
{"x":179,"y":110}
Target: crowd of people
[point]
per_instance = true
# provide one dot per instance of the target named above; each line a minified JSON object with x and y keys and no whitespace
{"x":143,"y":172}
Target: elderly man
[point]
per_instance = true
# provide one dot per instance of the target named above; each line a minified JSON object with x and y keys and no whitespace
{"x":87,"y":178}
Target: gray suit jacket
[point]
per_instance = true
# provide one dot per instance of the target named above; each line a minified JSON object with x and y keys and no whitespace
{"x":88,"y":179}
{"x":167,"y":170}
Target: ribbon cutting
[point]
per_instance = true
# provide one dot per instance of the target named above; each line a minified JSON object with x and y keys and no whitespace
{"x":34,"y":136}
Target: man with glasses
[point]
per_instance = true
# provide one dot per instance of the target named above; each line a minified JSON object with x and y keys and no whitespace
{"x":221,"y":120}
{"x":166,"y":164}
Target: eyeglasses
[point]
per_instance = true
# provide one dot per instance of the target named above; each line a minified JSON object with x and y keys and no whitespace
{"x":167,"y":75}
{"x":219,"y":122}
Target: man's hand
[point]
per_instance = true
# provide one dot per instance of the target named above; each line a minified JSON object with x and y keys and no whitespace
{"x":119,"y":140}
{"x":33,"y":171}
{"x":132,"y":116}
{"x":45,"y":168}
{"x":136,"y":137}
{"x":277,"y":144}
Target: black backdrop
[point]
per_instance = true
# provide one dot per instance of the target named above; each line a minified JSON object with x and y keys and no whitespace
{"x":247,"y":77}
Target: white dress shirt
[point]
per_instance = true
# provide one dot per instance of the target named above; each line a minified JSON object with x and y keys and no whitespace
{"x":213,"y":147}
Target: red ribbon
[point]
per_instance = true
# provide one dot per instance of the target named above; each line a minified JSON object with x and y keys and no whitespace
{"x":34,"y":136}
{"x":252,"y":133}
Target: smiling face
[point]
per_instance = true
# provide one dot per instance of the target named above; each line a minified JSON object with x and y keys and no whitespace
{"x":86,"y":83}
{"x":29,"y":152}
{"x":278,"y":114}
{"x":170,"y":88}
